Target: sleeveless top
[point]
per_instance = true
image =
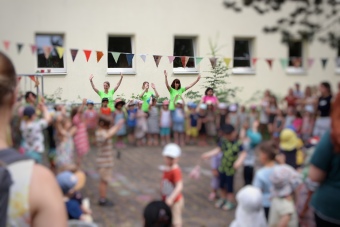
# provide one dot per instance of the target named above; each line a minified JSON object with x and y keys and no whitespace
{"x":18,"y":214}
{"x":165,"y":119}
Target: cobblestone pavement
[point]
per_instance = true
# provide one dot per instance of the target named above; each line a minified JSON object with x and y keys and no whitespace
{"x":136,"y":181}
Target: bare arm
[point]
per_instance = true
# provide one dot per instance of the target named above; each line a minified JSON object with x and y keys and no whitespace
{"x":238,"y":163}
{"x":284,"y":220}
{"x":195,"y":82}
{"x":47,"y":115}
{"x":166,"y":80}
{"x":93,"y":87}
{"x":154,"y":88}
{"x":177,"y":190}
{"x":119,"y":82}
{"x":316,"y":174}
{"x":81,"y":107}
{"x":211,"y":153}
{"x":113,"y":130}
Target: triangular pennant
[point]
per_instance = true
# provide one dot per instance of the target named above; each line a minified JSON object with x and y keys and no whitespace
{"x":60,"y":51}
{"x":310,"y":62}
{"x":47,"y":51}
{"x":270,"y":62}
{"x":19,"y":46}
{"x":171,"y":59}
{"x":19,"y":78}
{"x":115,"y":56}
{"x":284,"y":62}
{"x":297,"y":62}
{"x":32,"y":78}
{"x":33,"y":48}
{"x":198,"y":60}
{"x":157,"y":59}
{"x":254,"y":61}
{"x":324,"y":62}
{"x":129,"y":58}
{"x":143,"y":56}
{"x":337,"y":62}
{"x":184,"y":60}
{"x":74,"y":53}
{"x":213,"y":62}
{"x":100,"y":54}
{"x":227,"y":61}
{"x":87,"y":54}
{"x":6,"y":44}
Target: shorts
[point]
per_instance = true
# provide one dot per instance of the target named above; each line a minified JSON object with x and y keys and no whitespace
{"x":193,"y":131}
{"x":176,"y":210}
{"x":226,"y":182}
{"x":178,"y":127}
{"x":105,"y":174}
{"x":164,"y":132}
{"x":36,"y":156}
{"x":130,"y":129}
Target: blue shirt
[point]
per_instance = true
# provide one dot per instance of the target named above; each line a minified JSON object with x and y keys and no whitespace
{"x":131,"y":119}
{"x":193,"y":120}
{"x":262,"y":181}
{"x":73,"y":209}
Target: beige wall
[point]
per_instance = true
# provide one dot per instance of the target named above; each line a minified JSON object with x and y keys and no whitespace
{"x":153,"y":24}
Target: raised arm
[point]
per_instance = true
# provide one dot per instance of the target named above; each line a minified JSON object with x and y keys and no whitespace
{"x":166,"y":80}
{"x":143,"y":92}
{"x":154,"y":88}
{"x":93,"y":87}
{"x":81,"y":107}
{"x":211,"y":153}
{"x":113,"y":130}
{"x":195,"y":82}
{"x":119,"y":82}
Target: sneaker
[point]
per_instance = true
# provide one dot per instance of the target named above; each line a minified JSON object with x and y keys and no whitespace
{"x":228,"y":206}
{"x":105,"y":203}
{"x":220,"y":203}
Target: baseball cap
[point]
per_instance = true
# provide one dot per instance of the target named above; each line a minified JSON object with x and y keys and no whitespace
{"x":172,"y":150}
{"x":89,"y":102}
{"x":227,"y":129}
{"x":66,"y":180}
{"x":29,"y":111}
{"x":105,"y":100}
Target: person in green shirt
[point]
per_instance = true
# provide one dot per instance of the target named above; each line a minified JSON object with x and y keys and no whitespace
{"x":176,"y":89}
{"x":107,"y":93}
{"x":146,"y":95}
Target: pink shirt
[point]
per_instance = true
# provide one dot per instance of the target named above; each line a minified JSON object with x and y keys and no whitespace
{"x":297,"y":123}
{"x":212,"y":99}
{"x":91,"y":118}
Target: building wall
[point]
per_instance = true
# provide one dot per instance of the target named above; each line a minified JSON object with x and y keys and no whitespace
{"x":153,"y":24}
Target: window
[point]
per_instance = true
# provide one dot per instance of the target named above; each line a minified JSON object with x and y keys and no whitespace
{"x":295,"y":57}
{"x":184,"y":47}
{"x":242,"y":56}
{"x":121,"y":44}
{"x":52,"y":64}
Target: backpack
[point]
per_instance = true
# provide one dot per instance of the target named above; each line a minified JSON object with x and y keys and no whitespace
{"x":7,"y":157}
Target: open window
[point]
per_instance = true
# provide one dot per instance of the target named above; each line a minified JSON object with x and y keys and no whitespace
{"x":243,"y":53}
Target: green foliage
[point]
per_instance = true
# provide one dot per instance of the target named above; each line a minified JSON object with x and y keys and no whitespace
{"x":161,"y":99}
{"x":55,"y":97}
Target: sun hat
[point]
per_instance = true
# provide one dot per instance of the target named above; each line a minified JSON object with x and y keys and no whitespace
{"x":254,"y":137}
{"x":29,"y":111}
{"x":233,"y":108}
{"x":67,"y":181}
{"x":203,"y":106}
{"x":222,"y":106}
{"x":132,"y":103}
{"x":89,"y":102}
{"x":179,"y":101}
{"x":166,"y":102}
{"x":288,"y":139}
{"x":172,"y":150}
{"x":81,"y":180}
{"x":119,"y":101}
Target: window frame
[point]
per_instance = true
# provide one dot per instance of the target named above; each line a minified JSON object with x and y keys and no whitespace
{"x":125,"y":71}
{"x":51,"y":71}
{"x":245,"y":70}
{"x":181,"y":70}
{"x":292,"y":70}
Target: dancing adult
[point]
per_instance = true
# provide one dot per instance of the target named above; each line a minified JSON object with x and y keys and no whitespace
{"x":146,"y":95}
{"x":176,"y":89}
{"x":323,"y":121}
{"x":40,"y":201}
{"x":107,"y":93}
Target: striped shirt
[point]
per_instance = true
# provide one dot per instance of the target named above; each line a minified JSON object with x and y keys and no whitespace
{"x":105,"y":149}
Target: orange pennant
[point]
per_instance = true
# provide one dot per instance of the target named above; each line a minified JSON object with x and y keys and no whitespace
{"x":184,"y":60}
{"x":87,"y":54}
{"x":100,"y":54}
{"x":32,"y":78}
{"x":253,"y":61}
{"x":47,"y":51}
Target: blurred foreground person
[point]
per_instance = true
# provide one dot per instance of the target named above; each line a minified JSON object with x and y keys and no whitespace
{"x":157,"y":214}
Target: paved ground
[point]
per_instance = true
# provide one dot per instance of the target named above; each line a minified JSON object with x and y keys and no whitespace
{"x":136,"y":181}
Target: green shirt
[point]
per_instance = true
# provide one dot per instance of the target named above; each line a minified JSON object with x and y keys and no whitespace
{"x":173,"y":93}
{"x":230,"y":151}
{"x":109,"y":95}
{"x":326,"y":198}
{"x":146,"y":100}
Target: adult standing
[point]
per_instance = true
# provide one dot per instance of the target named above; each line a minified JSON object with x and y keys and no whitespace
{"x":309,"y":100}
{"x":107,"y":93}
{"x":325,"y":170}
{"x":323,"y":121}
{"x":264,"y":117}
{"x":146,"y":95}
{"x":176,"y":89}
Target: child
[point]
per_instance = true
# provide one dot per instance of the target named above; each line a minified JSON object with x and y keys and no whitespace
{"x":178,"y":121}
{"x":267,"y":155}
{"x":233,"y":117}
{"x":172,"y":184}
{"x":131,"y":121}
{"x":232,"y":158}
{"x":105,"y":109}
{"x":91,"y":118}
{"x":104,"y":157}
{"x":211,"y":120}
{"x":201,"y":125}
{"x":117,"y":115}
{"x":282,"y":211}
{"x":157,"y":213}
{"x":297,"y":122}
{"x":290,"y":117}
{"x":253,"y":115}
{"x":278,"y":125}
{"x":243,"y":116}
{"x":141,"y":126}
{"x":192,"y":118}
{"x":210,"y":97}
{"x":32,"y":131}
{"x":222,"y":117}
{"x":249,"y":211}
{"x":81,"y":140}
{"x":271,"y":111}
{"x":165,"y":123}
{"x":307,"y":123}
{"x":153,"y":123}
{"x":289,"y":143}
{"x":215,"y":162}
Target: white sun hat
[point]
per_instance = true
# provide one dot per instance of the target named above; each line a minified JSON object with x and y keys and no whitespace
{"x":172,"y":150}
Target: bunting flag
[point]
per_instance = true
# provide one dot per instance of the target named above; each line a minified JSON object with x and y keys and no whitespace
{"x":19,"y":78}
{"x":60,"y":51}
{"x":87,"y":54}
{"x":284,"y":63}
{"x":337,"y":62}
{"x":157,"y":59}
{"x":198,"y":60}
{"x":6,"y":44}
{"x":227,"y":61}
{"x":19,"y":46}
{"x":171,"y":59}
{"x":100,"y":54}
{"x":310,"y":62}
{"x":213,"y":62}
{"x":47,"y":51}
{"x":254,"y":61}
{"x":270,"y":62}
{"x":32,"y":78}
{"x":324,"y":62}
{"x":129,"y":58}
{"x":143,"y":57}
{"x":33,"y":48}
{"x":74,"y":53}
{"x":297,"y":62}
{"x":115,"y":56}
{"x":184,"y":60}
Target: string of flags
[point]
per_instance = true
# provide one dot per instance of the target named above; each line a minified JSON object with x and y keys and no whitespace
{"x":296,"y":61}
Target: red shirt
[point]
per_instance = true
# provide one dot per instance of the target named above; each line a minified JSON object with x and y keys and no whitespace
{"x":291,"y":101}
{"x":169,"y":180}
{"x":105,"y":111}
